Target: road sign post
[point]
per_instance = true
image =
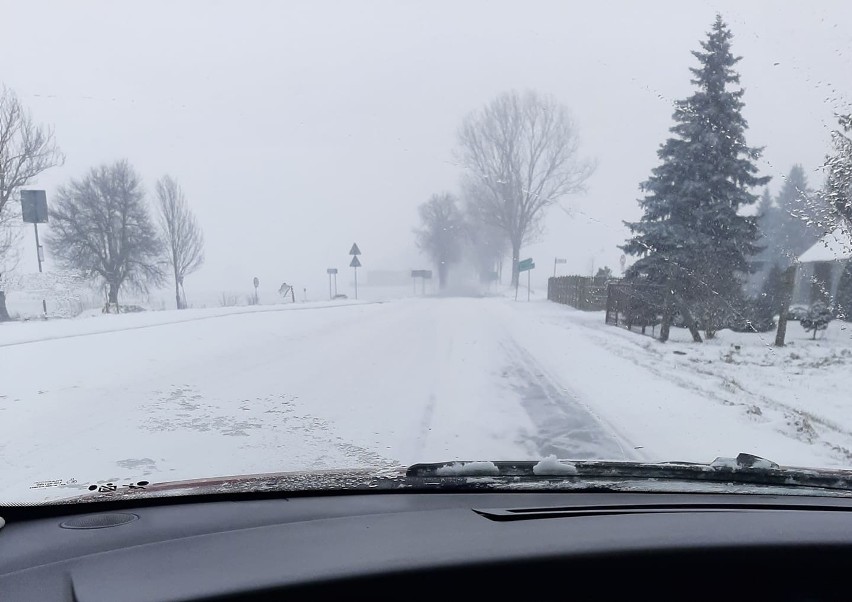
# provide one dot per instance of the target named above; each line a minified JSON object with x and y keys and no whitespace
{"x":34,"y":211}
{"x":424,"y":275}
{"x":355,"y":264}
{"x":557,"y":260}
{"x":332,"y":272}
{"x":524,"y":266}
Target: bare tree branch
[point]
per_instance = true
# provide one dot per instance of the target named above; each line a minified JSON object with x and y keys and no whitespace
{"x":442,"y":232}
{"x":26,"y":150}
{"x":183,"y":240}
{"x":521,"y":156}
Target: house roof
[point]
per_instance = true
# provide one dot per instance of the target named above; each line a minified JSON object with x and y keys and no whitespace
{"x":834,"y":246}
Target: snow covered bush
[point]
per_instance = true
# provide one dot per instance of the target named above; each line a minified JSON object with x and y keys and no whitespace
{"x":228,"y":300}
{"x":817,"y":318}
{"x":753,"y":315}
{"x":797,"y":313}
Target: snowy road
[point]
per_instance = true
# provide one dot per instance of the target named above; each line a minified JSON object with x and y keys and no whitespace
{"x":288,"y":389}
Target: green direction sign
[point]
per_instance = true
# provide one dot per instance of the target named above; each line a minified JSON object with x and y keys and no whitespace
{"x":526,"y":264}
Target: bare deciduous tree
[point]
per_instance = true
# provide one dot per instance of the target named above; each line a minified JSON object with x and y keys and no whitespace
{"x":26,"y":150}
{"x":442,"y":232}
{"x":488,"y":243}
{"x":100,"y":225}
{"x":521,"y":156}
{"x":183,"y":240}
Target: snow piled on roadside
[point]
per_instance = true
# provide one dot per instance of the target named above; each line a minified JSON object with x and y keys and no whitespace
{"x":66,"y":294}
{"x":96,"y":322}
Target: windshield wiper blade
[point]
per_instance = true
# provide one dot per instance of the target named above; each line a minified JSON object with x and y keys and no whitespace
{"x":744,"y":469}
{"x":550,"y":467}
{"x":748,"y":472}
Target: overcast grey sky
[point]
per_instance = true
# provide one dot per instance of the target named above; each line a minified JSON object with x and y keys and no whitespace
{"x":296,"y":128}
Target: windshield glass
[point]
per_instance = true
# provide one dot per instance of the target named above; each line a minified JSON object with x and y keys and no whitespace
{"x":252,"y":237}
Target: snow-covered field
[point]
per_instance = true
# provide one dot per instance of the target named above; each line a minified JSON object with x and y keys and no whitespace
{"x":172,"y":395}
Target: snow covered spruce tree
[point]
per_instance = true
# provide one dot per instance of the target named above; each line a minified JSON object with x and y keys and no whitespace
{"x":838,"y":185}
{"x":791,"y":223}
{"x":692,"y":238}
{"x":817,"y":318}
{"x":838,"y":194}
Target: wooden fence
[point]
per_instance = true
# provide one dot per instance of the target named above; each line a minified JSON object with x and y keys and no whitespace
{"x":581,"y":292}
{"x":635,"y":305}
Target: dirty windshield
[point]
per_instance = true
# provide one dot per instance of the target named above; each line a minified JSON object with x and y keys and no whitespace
{"x":242,"y":238}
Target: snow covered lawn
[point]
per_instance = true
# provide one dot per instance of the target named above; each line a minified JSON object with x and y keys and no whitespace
{"x":681,"y":400}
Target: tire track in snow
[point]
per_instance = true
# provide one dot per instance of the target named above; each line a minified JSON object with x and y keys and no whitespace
{"x":565,"y":427}
{"x":425,"y":426}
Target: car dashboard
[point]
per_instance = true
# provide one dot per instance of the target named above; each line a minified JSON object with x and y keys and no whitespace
{"x":431,"y":545}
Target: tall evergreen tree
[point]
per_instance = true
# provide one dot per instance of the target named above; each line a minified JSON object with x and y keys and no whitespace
{"x":692,"y":237}
{"x":789,"y":225}
{"x":773,"y":288}
{"x":765,"y":206}
{"x":799,"y":219}
{"x":767,"y":226}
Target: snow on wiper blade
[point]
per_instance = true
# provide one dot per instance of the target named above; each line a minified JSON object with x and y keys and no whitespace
{"x":548,"y":466}
{"x":744,"y":461}
{"x":551,"y":466}
{"x":745,"y":469}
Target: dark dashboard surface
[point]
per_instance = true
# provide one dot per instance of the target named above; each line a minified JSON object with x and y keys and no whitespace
{"x":410,"y":545}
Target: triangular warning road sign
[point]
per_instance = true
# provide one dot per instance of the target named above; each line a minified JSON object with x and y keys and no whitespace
{"x":354,"y":250}
{"x":355,"y":263}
